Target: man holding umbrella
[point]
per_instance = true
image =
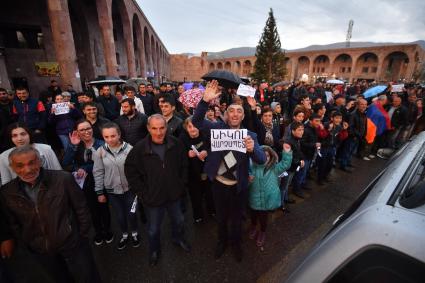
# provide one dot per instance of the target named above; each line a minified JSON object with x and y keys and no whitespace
{"x":228,"y":171}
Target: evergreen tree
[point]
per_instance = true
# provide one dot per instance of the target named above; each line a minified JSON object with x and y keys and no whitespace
{"x":270,"y":64}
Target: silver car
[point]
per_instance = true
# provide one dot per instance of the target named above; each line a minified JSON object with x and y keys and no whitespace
{"x":381,"y":237}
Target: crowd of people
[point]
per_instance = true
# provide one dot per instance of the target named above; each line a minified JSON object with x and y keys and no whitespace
{"x":141,"y":153}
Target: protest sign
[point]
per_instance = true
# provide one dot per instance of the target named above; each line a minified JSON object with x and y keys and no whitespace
{"x":397,"y":88}
{"x":245,"y":90}
{"x":228,"y":139}
{"x":61,"y":108}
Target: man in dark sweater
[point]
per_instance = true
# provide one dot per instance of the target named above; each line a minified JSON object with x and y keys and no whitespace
{"x":109,"y":102}
{"x":131,"y":122}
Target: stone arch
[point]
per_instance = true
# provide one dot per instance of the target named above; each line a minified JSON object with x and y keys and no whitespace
{"x":138,"y":46}
{"x":395,"y":65}
{"x":342,"y":66}
{"x":303,"y":65}
{"x":321,"y":66}
{"x":211,"y":66}
{"x":219,"y":65}
{"x":238,"y":68}
{"x":123,"y":38}
{"x":367,"y":66}
{"x":158,"y":67}
{"x":88,"y":50}
{"x":153,"y":55}
{"x":247,"y":68}
{"x":228,"y":66}
{"x":148,"y":53}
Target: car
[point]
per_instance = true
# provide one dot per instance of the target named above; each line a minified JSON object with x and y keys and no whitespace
{"x":381,"y":237}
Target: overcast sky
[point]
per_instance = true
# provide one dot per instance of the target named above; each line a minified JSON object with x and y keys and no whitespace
{"x":216,"y":25}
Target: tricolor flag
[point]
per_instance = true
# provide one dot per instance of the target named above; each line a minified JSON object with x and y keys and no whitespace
{"x":378,"y":121}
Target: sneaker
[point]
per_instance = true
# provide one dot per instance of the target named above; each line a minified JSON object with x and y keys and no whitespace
{"x":98,"y":240}
{"x":366,"y":158}
{"x":252,"y":233}
{"x":122,"y":243}
{"x":109,"y":237}
{"x":136,"y":240}
{"x":371,"y":156}
{"x":261,"y":238}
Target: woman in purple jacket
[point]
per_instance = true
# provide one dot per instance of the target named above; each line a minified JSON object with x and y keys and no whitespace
{"x":64,"y":122}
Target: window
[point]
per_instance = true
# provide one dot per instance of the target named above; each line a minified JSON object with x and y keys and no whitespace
{"x":365,"y":70}
{"x":314,"y":69}
{"x":118,"y":58}
{"x":323,"y":70}
{"x":379,"y":264}
{"x":374,"y":69}
{"x":343,"y":70}
{"x":349,"y":70}
{"x":18,"y":37}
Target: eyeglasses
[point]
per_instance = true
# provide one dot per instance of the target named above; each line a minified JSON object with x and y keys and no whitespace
{"x":85,"y":130}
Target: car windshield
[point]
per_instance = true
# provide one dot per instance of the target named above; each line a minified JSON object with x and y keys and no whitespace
{"x":414,"y":194}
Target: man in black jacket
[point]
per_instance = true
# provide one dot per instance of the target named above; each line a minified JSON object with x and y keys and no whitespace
{"x":109,"y":102}
{"x":6,"y":246}
{"x":398,"y":114}
{"x":356,"y":135}
{"x":131,"y":122}
{"x":156,"y":169}
{"x":48,"y":211}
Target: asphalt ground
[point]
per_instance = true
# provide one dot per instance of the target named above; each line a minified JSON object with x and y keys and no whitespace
{"x":289,"y":238}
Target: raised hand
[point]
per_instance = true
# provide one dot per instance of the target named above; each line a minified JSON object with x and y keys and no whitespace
{"x":252,"y":102}
{"x":286,"y":147}
{"x":74,"y":138}
{"x":211,"y":91}
{"x":249,"y":144}
{"x":344,"y":125}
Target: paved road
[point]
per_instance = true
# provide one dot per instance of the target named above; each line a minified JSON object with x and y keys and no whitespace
{"x":289,"y":238}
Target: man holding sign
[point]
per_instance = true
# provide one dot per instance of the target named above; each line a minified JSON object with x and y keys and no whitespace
{"x":227,"y":167}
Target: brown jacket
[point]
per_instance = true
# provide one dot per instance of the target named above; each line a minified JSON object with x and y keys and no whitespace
{"x":59,"y":218}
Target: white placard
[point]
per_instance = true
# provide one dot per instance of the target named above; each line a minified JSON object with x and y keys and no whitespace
{"x":228,"y":139}
{"x":397,"y":88}
{"x":245,"y":90}
{"x":328,"y":96}
{"x":61,"y":108}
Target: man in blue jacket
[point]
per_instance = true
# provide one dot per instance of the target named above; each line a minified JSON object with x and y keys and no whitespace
{"x":31,"y":112}
{"x":228,"y":171}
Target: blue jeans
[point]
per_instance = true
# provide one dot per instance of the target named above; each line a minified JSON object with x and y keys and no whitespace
{"x":300,"y":176}
{"x":122,"y":205}
{"x":324,"y":163}
{"x":284,"y":185}
{"x":65,"y":141}
{"x":350,"y":147}
{"x":155,"y":216}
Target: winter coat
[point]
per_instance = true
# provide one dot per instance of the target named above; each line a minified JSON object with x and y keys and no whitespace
{"x":108,"y":170}
{"x":111,"y":106}
{"x":308,"y":141}
{"x":157,"y":181}
{"x":31,"y":112}
{"x":133,"y":129}
{"x":264,"y":192}
{"x":64,"y":123}
{"x":59,"y":218}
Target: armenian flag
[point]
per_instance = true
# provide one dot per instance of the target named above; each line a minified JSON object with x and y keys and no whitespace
{"x":378,"y":121}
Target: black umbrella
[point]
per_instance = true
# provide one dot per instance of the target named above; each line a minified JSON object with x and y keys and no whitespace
{"x":280,"y":84}
{"x":101,"y":80}
{"x":225,"y":78}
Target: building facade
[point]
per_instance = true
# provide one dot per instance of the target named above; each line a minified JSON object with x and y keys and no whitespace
{"x":74,"y":41}
{"x":380,"y":63}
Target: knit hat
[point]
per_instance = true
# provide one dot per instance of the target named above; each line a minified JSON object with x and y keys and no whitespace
{"x":273,"y":105}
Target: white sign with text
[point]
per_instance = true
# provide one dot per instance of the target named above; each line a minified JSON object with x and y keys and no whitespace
{"x":61,"y":108}
{"x":228,"y":139}
{"x":245,"y":90}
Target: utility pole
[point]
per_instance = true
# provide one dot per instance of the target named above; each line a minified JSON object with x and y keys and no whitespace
{"x":349,"y":33}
